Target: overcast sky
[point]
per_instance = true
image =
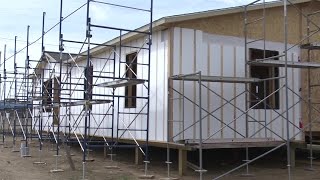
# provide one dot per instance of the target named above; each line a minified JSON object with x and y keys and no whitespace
{"x":15,"y":15}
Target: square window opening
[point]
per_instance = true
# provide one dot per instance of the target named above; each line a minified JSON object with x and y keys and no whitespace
{"x":261,"y":90}
{"x":47,"y":95}
{"x":131,"y":73}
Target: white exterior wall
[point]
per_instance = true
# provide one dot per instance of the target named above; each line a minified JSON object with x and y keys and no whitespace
{"x":215,"y":55}
{"x":192,"y":51}
{"x":158,"y":92}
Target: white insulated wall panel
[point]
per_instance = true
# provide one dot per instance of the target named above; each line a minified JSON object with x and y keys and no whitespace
{"x":195,"y":51}
{"x":240,"y":123}
{"x":192,"y":51}
{"x":177,"y":117}
{"x":187,"y":66}
{"x":215,"y":65}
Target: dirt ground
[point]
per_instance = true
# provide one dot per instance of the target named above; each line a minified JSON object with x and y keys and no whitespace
{"x":13,"y":167}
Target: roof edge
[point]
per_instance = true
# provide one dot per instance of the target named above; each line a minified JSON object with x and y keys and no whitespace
{"x":224,"y":11}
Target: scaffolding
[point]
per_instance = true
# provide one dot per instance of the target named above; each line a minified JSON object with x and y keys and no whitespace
{"x":69,"y":117}
{"x":246,"y":139}
{"x":15,"y":103}
{"x":57,"y":100}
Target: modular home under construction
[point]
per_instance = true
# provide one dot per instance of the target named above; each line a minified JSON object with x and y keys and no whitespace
{"x":240,"y":77}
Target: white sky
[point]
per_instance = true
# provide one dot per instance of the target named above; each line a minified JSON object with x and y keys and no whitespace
{"x":15,"y":15}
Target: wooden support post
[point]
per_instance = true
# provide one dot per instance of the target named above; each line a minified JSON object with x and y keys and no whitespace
{"x":182,"y":162}
{"x":67,"y":149}
{"x":68,"y":152}
{"x":295,"y":145}
{"x":105,"y":152}
{"x":138,"y":159}
{"x":293,"y":155}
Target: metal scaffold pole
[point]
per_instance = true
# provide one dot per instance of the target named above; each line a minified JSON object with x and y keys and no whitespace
{"x":201,"y":171}
{"x":15,"y":96}
{"x":147,"y":160}
{"x":246,"y":85}
{"x":55,"y":97}
{"x":87,"y":110}
{"x":4,"y":93}
{"x":168,"y":161}
{"x":41,"y":81}
{"x":39,"y":95}
{"x":27,"y":103}
{"x":286,"y":86}
{"x":312,"y":85}
{"x":1,"y":113}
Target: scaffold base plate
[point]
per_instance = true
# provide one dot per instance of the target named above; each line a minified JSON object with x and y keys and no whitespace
{"x":309,"y":169}
{"x":169,"y":178}
{"x":15,"y":150}
{"x":39,"y":162}
{"x":89,"y":160}
{"x":56,"y":170}
{"x":146,"y":177}
{"x":26,"y":156}
{"x":112,"y":167}
{"x":247,"y":175}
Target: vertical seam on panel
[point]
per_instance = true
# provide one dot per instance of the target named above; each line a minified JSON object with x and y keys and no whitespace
{"x":234,"y":91}
{"x":194,"y":83}
{"x":180,"y":86}
{"x":221,"y":88}
{"x":156,"y":112}
{"x":208,"y":84}
{"x":170,"y":92}
{"x":293,"y":96}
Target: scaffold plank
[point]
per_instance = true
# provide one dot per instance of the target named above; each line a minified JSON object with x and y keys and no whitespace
{"x":291,"y":64}
{"x":78,"y":103}
{"x":121,"y":83}
{"x":234,"y":143}
{"x":37,"y":98}
{"x":75,"y":103}
{"x":216,"y":79}
{"x":311,"y":46}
